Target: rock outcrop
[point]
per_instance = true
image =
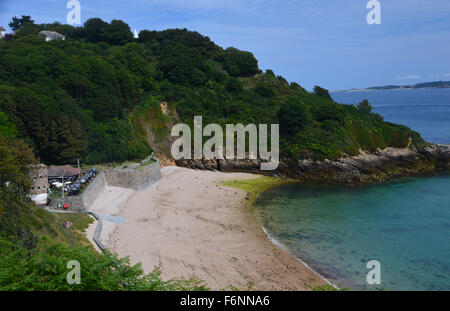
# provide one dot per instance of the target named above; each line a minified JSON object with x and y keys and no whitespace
{"x":365,"y":168}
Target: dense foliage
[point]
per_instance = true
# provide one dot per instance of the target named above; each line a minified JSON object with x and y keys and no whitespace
{"x":75,"y":98}
{"x":18,"y":22}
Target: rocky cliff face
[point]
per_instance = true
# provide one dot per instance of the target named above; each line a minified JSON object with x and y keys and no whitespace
{"x":365,"y":168}
{"x":362,"y":169}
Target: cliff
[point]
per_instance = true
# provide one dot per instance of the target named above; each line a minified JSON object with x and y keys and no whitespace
{"x":365,"y":168}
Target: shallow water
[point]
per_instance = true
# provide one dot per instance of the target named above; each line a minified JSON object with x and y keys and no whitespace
{"x":404,"y":224}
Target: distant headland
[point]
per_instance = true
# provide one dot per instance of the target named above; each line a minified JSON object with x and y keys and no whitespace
{"x":425,"y":85}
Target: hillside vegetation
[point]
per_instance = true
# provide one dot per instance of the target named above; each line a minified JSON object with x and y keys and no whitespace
{"x":75,"y":98}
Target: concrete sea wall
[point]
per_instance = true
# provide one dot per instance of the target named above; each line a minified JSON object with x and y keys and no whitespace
{"x":138,"y":176}
{"x":95,"y":187}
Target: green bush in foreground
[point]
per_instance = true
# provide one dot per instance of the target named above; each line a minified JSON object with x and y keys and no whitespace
{"x":35,"y":250}
{"x":46,"y":270}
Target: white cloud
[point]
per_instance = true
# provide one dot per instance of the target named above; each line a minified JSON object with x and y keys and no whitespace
{"x":441,"y":75}
{"x":410,"y":77}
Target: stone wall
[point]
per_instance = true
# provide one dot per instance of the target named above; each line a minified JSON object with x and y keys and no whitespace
{"x":138,"y":178}
{"x":95,"y":187}
{"x":132,"y":176}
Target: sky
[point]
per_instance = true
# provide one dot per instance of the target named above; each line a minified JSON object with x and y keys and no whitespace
{"x":321,"y":42}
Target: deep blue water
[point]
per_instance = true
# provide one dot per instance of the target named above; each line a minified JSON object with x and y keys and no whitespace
{"x":404,"y":224}
{"x":426,"y":111}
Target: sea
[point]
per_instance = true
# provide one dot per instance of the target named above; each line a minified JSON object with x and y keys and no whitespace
{"x":393,"y":236}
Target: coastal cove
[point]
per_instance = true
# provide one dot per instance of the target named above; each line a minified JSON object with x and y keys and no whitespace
{"x":167,"y":147}
{"x":403,"y":223}
{"x":193,"y":224}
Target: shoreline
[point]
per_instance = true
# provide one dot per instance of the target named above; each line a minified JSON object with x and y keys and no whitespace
{"x":249,"y":186}
{"x":191,"y":225}
{"x":365,"y":168}
{"x":285,"y":249}
{"x":257,"y":190}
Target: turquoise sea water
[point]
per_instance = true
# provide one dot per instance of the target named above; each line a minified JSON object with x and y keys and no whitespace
{"x":404,"y":224}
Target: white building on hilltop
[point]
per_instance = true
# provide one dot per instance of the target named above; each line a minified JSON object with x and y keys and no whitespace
{"x":51,"y":35}
{"x":2,"y":32}
{"x":136,"y":36}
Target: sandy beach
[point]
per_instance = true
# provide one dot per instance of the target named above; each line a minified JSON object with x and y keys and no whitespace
{"x":190,"y":225}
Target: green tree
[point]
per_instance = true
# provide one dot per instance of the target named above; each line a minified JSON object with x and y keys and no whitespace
{"x":7,"y":128}
{"x":293,"y":117}
{"x":320,"y":91}
{"x":26,"y":30}
{"x":327,"y":111}
{"x":67,"y":140}
{"x":264,"y":89}
{"x":269,"y":72}
{"x":15,"y":158}
{"x":240,"y":63}
{"x":365,"y":106}
{"x":146,"y":35}
{"x":96,"y":30}
{"x":182,"y":65}
{"x":119,"y":33}
{"x":233,"y":85}
{"x":16,"y":22}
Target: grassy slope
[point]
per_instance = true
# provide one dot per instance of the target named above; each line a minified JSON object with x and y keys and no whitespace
{"x":35,"y":250}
